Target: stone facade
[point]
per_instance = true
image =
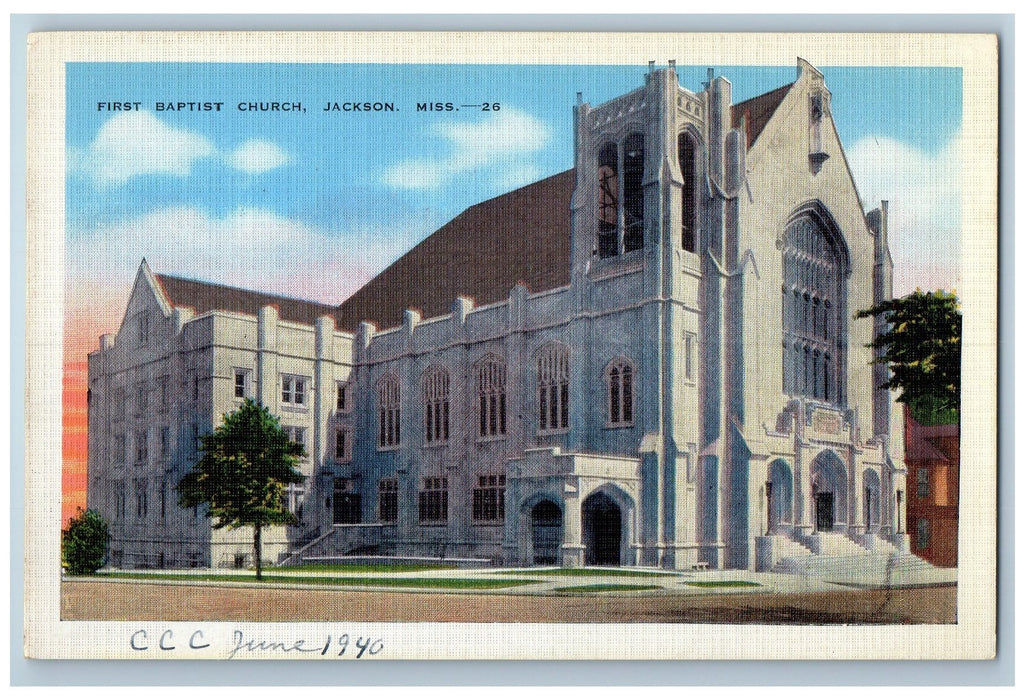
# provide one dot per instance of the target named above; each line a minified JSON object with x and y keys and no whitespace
{"x":698,"y":393}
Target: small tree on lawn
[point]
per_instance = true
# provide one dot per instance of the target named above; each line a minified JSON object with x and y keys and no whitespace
{"x":84,"y":542}
{"x":247,"y":464}
{"x":923,"y":350}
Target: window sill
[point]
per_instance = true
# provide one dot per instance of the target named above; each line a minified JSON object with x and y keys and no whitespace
{"x":558,"y":431}
{"x":488,"y":523}
{"x":434,"y":523}
{"x":617,"y":426}
{"x":435,"y":445}
{"x":295,"y":408}
{"x":491,"y":438}
{"x":389,"y":448}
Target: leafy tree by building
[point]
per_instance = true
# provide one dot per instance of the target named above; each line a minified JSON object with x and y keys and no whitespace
{"x":84,"y":542}
{"x":922,"y":346}
{"x":246,"y":466}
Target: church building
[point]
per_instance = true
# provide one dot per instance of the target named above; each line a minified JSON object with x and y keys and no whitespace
{"x":648,"y":360}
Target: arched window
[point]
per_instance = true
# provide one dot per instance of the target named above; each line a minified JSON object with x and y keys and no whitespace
{"x":813,"y":300}
{"x":553,"y":388}
{"x":435,"y":394}
{"x":633,"y":192}
{"x":389,"y":411}
{"x":608,"y":201}
{"x":687,"y":153}
{"x":619,"y":379}
{"x":491,"y":393}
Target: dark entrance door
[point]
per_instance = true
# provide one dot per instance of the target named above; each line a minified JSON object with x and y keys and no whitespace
{"x":546,"y":532}
{"x":347,"y":508}
{"x":603,"y":524}
{"x":824,"y":512}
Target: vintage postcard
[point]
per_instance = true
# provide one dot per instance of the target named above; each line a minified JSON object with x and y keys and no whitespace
{"x":356,"y":346}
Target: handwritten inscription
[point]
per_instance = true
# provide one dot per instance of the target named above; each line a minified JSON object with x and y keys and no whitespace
{"x":240,"y":646}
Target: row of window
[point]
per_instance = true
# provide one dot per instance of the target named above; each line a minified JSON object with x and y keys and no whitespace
{"x":552,"y":396}
{"x":488,"y":500}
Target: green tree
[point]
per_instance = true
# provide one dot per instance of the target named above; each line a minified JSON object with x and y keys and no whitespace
{"x":922,"y":346}
{"x":247,"y":464}
{"x":84,"y":542}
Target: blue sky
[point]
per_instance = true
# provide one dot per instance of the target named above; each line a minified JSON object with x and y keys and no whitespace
{"x":312,"y":204}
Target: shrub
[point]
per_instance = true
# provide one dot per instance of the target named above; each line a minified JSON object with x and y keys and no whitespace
{"x":84,"y":542}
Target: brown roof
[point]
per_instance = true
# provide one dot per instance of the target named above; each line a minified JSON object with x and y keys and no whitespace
{"x":758,"y":110}
{"x":522,"y":236}
{"x":204,"y":296}
{"x":918,"y":449}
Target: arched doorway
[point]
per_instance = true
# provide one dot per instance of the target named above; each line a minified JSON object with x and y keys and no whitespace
{"x":872,"y":504}
{"x":603,"y":530}
{"x":829,"y":491}
{"x":780,"y":495}
{"x":545,"y":532}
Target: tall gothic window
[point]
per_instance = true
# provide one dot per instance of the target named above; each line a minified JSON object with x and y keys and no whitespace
{"x":491,"y":394}
{"x":813,"y":303}
{"x":620,"y":381}
{"x":553,"y":388}
{"x":633,"y":192}
{"x":608,"y":201}
{"x":687,"y":152}
{"x":436,"y":383}
{"x":389,"y":412}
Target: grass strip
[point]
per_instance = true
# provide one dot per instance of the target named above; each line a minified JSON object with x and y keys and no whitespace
{"x":360,"y":568}
{"x":722,"y":584}
{"x":602,"y":587}
{"x":453,"y":583}
{"x":597,"y":572}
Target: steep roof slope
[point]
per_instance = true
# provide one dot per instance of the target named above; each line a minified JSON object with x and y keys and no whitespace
{"x":758,"y":110}
{"x":204,"y":296}
{"x":522,"y":236}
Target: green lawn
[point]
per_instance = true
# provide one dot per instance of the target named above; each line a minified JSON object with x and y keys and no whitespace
{"x":721,"y":584}
{"x":596,"y":572}
{"x":359,"y":568}
{"x":273,"y":579}
{"x":603,"y":587}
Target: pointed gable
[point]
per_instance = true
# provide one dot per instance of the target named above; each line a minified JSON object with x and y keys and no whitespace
{"x":756,"y":112}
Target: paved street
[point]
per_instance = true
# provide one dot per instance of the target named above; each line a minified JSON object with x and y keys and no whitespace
{"x":112,"y":600}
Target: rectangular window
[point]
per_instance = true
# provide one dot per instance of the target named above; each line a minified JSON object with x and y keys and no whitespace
{"x":296,"y":434}
{"x":141,"y":448}
{"x":143,"y":325}
{"x":293,"y":390}
{"x":923,"y":483}
{"x":434,"y":500}
{"x":162,"y":387}
{"x":293,"y":498}
{"x":141,"y":505}
{"x":688,"y":355}
{"x":242,"y":383}
{"x":388,"y":500}
{"x":163,"y":500}
{"x":195,"y":389}
{"x":119,"y":499}
{"x":343,"y":444}
{"x":119,"y":408}
{"x":923,"y":534}
{"x":140,"y":399}
{"x":343,"y":401}
{"x":197,"y":440}
{"x":118,"y":455}
{"x":489,"y":498}
{"x":165,"y":442}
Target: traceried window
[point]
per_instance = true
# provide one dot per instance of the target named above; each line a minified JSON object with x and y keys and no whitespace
{"x":489,"y":498}
{"x":388,"y":500}
{"x":434,"y":500}
{"x":608,"y":201}
{"x":813,"y":305}
{"x":388,"y":412}
{"x":293,"y":390}
{"x":343,"y":444}
{"x":435,"y":396}
{"x":619,"y":380}
{"x":553,"y":388}
{"x":491,"y":393}
{"x":687,"y":154}
{"x":633,"y":192}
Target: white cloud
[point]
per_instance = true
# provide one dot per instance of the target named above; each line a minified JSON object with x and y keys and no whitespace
{"x":130,"y":144}
{"x":257,"y":156}
{"x":494,"y":147}
{"x":250,"y":248}
{"x":137,"y":143}
{"x":924,"y":192}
